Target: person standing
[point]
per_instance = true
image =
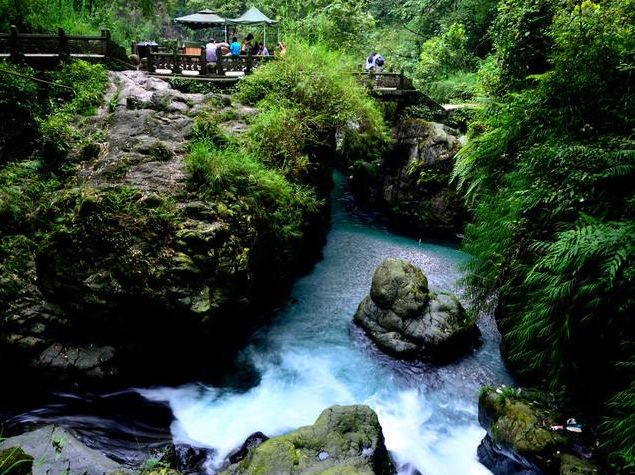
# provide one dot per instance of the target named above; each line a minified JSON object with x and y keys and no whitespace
{"x":246,"y":47}
{"x":234,"y":48}
{"x":374,"y":63}
{"x":211,"y":56}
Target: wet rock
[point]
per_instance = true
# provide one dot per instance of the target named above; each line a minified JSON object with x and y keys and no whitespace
{"x":58,"y":451}
{"x":405,"y":319}
{"x":519,"y":440}
{"x":350,"y":435}
{"x":574,"y":465}
{"x":191,"y":460}
{"x":89,"y":361}
{"x":253,"y":441}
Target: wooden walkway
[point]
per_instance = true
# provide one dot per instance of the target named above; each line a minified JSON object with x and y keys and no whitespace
{"x":38,"y":48}
{"x":42,"y":50}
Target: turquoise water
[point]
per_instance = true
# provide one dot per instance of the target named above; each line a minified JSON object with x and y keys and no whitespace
{"x":311,"y":357}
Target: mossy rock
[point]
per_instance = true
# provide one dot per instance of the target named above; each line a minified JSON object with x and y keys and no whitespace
{"x":519,"y":425}
{"x":573,"y":465}
{"x":15,"y":461}
{"x":518,"y":428}
{"x":406,"y":320}
{"x":343,"y":440}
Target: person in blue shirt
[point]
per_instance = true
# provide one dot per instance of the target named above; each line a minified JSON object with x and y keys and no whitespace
{"x":234,"y":48}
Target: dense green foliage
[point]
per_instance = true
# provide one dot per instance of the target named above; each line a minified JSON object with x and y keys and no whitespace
{"x":549,"y":170}
{"x":303,"y":100}
{"x":281,"y":166}
{"x":38,"y":133}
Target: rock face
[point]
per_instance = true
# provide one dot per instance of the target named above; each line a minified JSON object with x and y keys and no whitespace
{"x":345,"y":440}
{"x":519,"y":440}
{"x":138,"y":258}
{"x":57,"y":451}
{"x":411,"y":180}
{"x":406,"y":320}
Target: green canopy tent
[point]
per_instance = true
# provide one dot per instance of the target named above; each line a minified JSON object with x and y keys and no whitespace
{"x":253,"y":16}
{"x":203,"y":19}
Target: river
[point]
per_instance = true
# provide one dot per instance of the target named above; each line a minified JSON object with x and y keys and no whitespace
{"x":311,"y":357}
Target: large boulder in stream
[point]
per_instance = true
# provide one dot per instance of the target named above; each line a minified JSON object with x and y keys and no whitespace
{"x":345,"y":440}
{"x":520,"y":441}
{"x":405,"y":319}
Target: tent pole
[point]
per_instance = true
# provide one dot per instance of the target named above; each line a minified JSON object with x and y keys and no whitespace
{"x":225,"y":32}
{"x":264,"y":34}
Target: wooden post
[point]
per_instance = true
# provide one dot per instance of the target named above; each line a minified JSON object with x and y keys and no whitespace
{"x":64,"y":52}
{"x":177,"y":64}
{"x":105,"y":34}
{"x":401,"y":80}
{"x":203,"y":61}
{"x":14,"y":45}
{"x":219,"y":61}
{"x":150,"y":61}
{"x":250,"y":61}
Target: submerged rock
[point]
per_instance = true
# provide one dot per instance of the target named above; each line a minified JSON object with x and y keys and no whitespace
{"x":58,"y":451}
{"x":519,"y":440}
{"x":406,"y":320}
{"x":344,"y":440}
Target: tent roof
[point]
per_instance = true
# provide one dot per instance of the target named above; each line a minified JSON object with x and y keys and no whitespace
{"x":202,"y":19}
{"x":253,"y":16}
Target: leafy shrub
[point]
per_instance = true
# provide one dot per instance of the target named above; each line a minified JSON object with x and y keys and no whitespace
{"x":521,"y":37}
{"x":282,"y":205}
{"x":317,"y":80}
{"x":550,"y":170}
{"x":280,"y":135}
{"x":304,"y":99}
{"x":21,"y":103}
{"x":89,"y":82}
{"x":23,"y":191}
{"x":445,"y":54}
{"x":457,"y":88}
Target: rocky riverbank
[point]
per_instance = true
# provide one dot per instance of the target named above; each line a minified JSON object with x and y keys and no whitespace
{"x":140,"y":265}
{"x":344,"y":439}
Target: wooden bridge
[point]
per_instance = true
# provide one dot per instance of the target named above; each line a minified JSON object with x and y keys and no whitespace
{"x":41,"y":50}
{"x":396,"y":87}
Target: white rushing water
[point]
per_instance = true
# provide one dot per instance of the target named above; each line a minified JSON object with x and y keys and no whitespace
{"x":311,"y":357}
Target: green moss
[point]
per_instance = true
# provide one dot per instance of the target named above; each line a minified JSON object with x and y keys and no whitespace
{"x":161,"y":152}
{"x":15,"y":461}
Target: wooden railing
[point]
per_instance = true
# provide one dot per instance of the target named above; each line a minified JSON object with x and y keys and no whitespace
{"x":195,"y":64}
{"x":19,"y":46}
{"x":397,"y":81}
